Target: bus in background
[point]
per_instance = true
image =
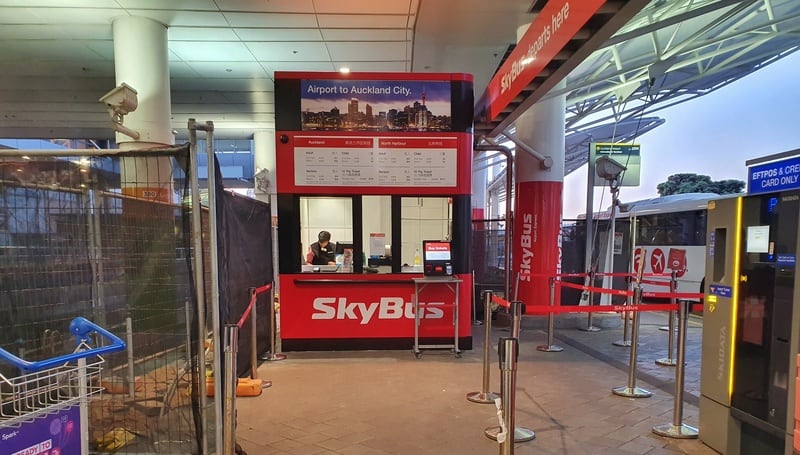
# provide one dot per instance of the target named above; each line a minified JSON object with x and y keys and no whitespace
{"x":669,"y":235}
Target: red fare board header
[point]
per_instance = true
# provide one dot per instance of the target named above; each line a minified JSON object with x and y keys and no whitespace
{"x":547,"y":35}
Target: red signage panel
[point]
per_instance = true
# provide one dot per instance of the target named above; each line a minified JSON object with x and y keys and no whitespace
{"x":552,"y":29}
{"x":372,"y":307}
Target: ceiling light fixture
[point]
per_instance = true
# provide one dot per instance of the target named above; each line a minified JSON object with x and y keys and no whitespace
{"x":344,"y":70}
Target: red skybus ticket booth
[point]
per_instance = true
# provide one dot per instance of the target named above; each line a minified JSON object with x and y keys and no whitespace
{"x":383,"y":163}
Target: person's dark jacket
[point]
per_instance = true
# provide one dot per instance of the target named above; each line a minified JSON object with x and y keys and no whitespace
{"x":322,"y":256}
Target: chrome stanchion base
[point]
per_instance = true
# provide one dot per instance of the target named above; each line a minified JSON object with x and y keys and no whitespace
{"x":521,"y":434}
{"x":549,"y":348}
{"x":273,"y":357}
{"x":622,"y":343}
{"x":672,"y":431}
{"x":667,"y":362}
{"x":631,"y":392}
{"x":483,"y":398}
{"x":590,"y":328}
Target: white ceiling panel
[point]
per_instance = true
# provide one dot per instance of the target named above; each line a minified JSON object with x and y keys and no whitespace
{"x":201,"y":34}
{"x":249,"y":84}
{"x":364,"y":34}
{"x":228,"y":69}
{"x":60,"y":3}
{"x":20,"y":16}
{"x":181,"y":69}
{"x":21,"y":32}
{"x":46,"y":50}
{"x":51,"y":68}
{"x":184,"y":18}
{"x":279,"y":34}
{"x":196,"y":5}
{"x":362,"y":21}
{"x":401,"y":65}
{"x":364,"y":6}
{"x":211,"y":51}
{"x":273,"y":6}
{"x":282,"y":52}
{"x":77,"y":16}
{"x":301,"y":66}
{"x":280,"y":20}
{"x":104,"y":49}
{"x":368,"y":51}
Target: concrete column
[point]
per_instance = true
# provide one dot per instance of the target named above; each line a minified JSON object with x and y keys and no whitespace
{"x":141,"y":61}
{"x":538,"y":199}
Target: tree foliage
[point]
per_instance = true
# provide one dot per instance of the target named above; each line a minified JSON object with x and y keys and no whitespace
{"x":696,"y":183}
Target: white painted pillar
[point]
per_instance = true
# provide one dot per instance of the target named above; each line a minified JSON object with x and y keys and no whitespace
{"x":141,"y":61}
{"x":538,"y":199}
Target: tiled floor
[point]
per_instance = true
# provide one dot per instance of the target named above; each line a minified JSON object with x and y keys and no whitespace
{"x":389,"y":402}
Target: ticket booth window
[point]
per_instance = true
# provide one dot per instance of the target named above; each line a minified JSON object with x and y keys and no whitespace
{"x":377,"y":233}
{"x":331,"y":214}
{"x":422,"y":218}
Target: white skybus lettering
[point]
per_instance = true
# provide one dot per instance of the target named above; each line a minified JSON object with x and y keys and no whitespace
{"x":387,"y":308}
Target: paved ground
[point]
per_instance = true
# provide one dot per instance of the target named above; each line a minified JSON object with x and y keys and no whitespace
{"x":389,"y":402}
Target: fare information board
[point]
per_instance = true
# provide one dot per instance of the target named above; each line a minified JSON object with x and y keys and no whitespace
{"x":375,"y":161}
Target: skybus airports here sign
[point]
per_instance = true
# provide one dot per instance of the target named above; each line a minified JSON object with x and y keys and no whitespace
{"x":775,"y":176}
{"x":629,"y":155}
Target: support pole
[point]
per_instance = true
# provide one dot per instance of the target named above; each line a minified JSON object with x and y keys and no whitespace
{"x":521,"y":434}
{"x":508,"y":352}
{"x":484,"y":396}
{"x":678,"y":429}
{"x":669,"y":361}
{"x":589,"y":327}
{"x":272,"y":355}
{"x":625,"y":342}
{"x":550,"y":347}
{"x":631,"y":391}
{"x":129,"y":341}
{"x":231,"y":340}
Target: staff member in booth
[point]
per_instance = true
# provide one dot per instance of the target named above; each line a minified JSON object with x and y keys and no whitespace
{"x":322,"y":252}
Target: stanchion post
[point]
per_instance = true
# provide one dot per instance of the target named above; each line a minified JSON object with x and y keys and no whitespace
{"x":484,"y":396}
{"x":272,"y":355}
{"x":678,"y":429}
{"x":508,"y":354}
{"x":625,"y":342}
{"x":631,"y":391}
{"x":589,"y":327}
{"x":673,"y":288}
{"x":550,"y":347}
{"x":231,"y":340}
{"x":521,"y":434}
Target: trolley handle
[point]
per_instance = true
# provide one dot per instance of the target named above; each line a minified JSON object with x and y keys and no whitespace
{"x":81,"y":328}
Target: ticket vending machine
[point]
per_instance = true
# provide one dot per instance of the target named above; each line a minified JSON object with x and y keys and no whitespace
{"x":750,"y":324}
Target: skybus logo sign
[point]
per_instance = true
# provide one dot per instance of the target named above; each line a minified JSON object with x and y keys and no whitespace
{"x":387,"y":308}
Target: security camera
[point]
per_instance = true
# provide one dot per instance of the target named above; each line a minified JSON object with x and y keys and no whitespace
{"x":120,"y":101}
{"x":607,"y":168}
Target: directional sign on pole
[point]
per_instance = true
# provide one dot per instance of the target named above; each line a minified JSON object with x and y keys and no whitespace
{"x":626,"y":154}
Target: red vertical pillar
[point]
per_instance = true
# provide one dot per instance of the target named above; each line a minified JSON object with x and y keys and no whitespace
{"x":538,"y":200}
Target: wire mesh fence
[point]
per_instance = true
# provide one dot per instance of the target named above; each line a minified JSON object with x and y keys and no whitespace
{"x":77,"y":239}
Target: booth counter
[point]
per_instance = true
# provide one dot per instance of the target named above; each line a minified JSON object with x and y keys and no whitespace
{"x":324,"y":311}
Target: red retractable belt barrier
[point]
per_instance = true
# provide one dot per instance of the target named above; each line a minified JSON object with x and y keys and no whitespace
{"x":253,"y":297}
{"x":546,"y":309}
